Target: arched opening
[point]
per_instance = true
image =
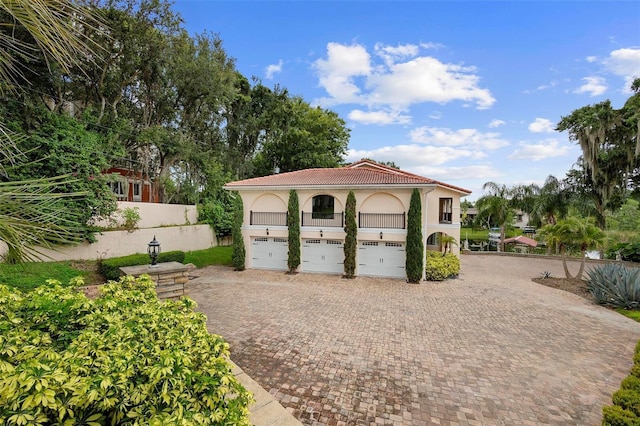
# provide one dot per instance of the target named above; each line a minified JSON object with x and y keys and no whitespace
{"x":323,"y":207}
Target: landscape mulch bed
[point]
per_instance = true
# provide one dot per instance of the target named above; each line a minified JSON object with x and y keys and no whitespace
{"x":572,"y":285}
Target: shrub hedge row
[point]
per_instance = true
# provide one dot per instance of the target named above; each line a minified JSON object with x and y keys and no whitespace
{"x":110,"y":268}
{"x":625,"y":410}
{"x":124,"y":359}
{"x":441,"y":266}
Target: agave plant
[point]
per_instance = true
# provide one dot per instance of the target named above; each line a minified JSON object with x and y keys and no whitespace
{"x":615,"y":285}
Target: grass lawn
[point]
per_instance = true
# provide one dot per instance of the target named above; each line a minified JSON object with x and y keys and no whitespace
{"x":213,"y":256}
{"x":28,"y":276}
{"x":634,"y":315}
{"x":483,"y":234}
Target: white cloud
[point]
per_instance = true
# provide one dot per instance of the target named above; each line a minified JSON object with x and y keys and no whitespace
{"x":535,"y":152}
{"x":591,"y":58}
{"x":379,"y":117}
{"x":392,"y":54}
{"x":413,"y":155}
{"x":349,"y":75}
{"x":338,"y":71}
{"x":475,"y":173}
{"x":435,"y":115}
{"x":594,"y":86}
{"x":541,"y":125}
{"x":551,"y":84}
{"x":469,"y":138}
{"x":273,"y":69}
{"x":624,"y":63}
{"x":496,"y":123}
{"x":426,"y":79}
{"x":431,"y":45}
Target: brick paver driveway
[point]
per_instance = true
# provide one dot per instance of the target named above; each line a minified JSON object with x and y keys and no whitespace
{"x":490,"y":348}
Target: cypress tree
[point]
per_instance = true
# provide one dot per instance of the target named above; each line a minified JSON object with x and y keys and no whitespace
{"x":351,"y":240}
{"x":415,"y":250}
{"x":293,"y":223}
{"x":238,"y":256}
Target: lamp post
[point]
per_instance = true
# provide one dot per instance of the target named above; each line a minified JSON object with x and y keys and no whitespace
{"x":154,"y":251}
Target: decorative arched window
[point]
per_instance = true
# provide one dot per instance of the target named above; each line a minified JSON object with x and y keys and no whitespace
{"x":322,"y":207}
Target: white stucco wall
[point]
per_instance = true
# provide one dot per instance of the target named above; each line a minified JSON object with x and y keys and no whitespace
{"x":368,"y":200}
{"x":122,"y":243}
{"x":153,"y":215}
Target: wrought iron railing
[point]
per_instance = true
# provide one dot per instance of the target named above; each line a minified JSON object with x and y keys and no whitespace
{"x":382,"y":220}
{"x":268,"y":218}
{"x":323,"y":219}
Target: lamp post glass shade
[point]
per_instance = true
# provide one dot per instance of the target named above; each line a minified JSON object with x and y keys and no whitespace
{"x":154,"y":251}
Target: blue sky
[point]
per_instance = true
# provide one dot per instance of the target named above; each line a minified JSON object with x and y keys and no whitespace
{"x":462,"y":92}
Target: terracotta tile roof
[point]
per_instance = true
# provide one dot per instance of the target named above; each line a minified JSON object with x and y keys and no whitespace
{"x":357,"y":174}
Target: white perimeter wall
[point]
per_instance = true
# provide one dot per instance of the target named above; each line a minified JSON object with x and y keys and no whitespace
{"x":122,"y":243}
{"x":156,"y":214}
{"x":169,"y":223}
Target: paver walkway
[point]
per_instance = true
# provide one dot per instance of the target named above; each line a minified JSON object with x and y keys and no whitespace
{"x":490,"y":348}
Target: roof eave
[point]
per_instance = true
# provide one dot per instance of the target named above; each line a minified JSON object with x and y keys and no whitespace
{"x":342,"y":186}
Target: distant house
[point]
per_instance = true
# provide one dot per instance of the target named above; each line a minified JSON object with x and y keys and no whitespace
{"x":130,"y":185}
{"x":383,"y":195}
{"x":520,"y":218}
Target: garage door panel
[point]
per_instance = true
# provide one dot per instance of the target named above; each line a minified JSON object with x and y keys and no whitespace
{"x":269,"y":253}
{"x":382,"y":259}
{"x":323,"y":256}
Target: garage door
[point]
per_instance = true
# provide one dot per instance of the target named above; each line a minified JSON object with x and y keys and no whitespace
{"x":269,"y":253}
{"x":381,"y":259}
{"x":323,"y":256}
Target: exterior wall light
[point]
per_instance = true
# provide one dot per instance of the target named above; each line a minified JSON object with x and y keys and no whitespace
{"x":380,"y":234}
{"x":321,"y":233}
{"x":267,"y":231}
{"x":153,"y":250}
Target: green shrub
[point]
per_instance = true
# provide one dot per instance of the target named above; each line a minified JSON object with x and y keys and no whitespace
{"x":617,"y":416}
{"x":110,"y":268}
{"x":125,"y":358}
{"x":629,"y":252}
{"x":415,"y":249}
{"x":239,"y":251}
{"x":441,"y":266}
{"x":293,"y":227}
{"x":351,"y":237}
{"x":626,"y":401}
{"x":615,"y":285}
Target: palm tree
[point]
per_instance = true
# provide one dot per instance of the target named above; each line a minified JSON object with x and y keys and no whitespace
{"x":572,"y":234}
{"x":496,"y":205}
{"x":447,"y":242}
{"x":30,"y":211}
{"x":552,"y":202}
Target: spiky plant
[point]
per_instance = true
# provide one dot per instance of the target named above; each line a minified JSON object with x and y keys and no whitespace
{"x":615,"y":285}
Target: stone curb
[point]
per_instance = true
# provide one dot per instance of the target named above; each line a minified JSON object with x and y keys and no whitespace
{"x":265,"y":411}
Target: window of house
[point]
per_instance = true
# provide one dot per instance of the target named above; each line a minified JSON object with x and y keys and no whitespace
{"x":446,"y":210}
{"x":118,"y":188}
{"x":137,"y":191}
{"x":322,"y":207}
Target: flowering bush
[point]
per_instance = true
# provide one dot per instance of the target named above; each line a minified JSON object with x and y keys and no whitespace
{"x":441,"y":266}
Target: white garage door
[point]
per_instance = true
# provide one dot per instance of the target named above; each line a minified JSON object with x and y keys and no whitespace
{"x":381,"y":259}
{"x":323,"y":256}
{"x":269,"y":253}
